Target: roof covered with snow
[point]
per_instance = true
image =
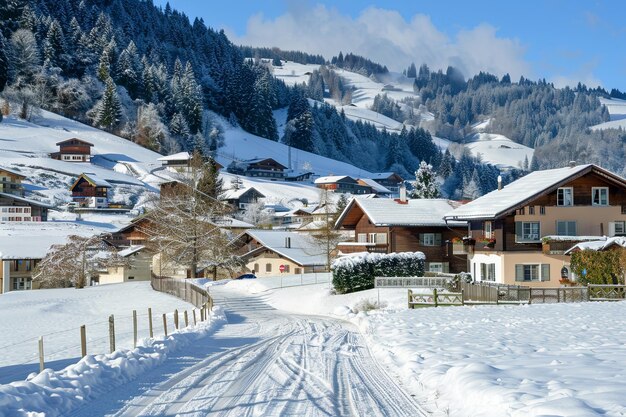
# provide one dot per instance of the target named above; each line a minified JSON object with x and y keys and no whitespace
{"x":303,"y":249}
{"x":235,"y":194}
{"x":96,"y":180}
{"x":598,"y":245}
{"x":26,"y":200}
{"x":10,"y":171}
{"x":130,"y":250}
{"x":381,"y":189}
{"x":388,"y":212}
{"x":180,"y":156}
{"x":522,"y":191}
{"x":332,"y":179}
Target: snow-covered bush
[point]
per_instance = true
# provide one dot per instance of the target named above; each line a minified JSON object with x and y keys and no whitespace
{"x":357,"y":271}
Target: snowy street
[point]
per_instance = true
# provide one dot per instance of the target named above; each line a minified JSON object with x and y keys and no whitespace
{"x":264,"y":362}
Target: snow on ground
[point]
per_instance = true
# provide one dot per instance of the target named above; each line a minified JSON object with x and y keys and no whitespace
{"x":293,"y":73}
{"x":499,"y":150}
{"x":57,"y":314}
{"x":617,"y":112}
{"x":369,"y":116}
{"x":535,"y":360}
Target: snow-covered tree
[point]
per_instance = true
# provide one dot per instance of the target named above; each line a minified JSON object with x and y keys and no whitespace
{"x":151,"y":132}
{"x":326,"y":238}
{"x":73,"y":263}
{"x":4,"y":63}
{"x":25,"y":56}
{"x":424,"y":185}
{"x":108,"y":111}
{"x":471,"y":188}
{"x":257,"y":214}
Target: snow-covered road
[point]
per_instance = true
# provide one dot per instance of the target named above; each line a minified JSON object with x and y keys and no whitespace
{"x":264,"y":362}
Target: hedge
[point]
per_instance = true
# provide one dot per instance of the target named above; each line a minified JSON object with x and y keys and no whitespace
{"x":357,"y":271}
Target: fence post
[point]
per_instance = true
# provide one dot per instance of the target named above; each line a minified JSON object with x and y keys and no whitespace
{"x":41,"y":362}
{"x":435,"y":297}
{"x":176,"y":319}
{"x":194,"y":316}
{"x":150,"y":322}
{"x":462,"y":297}
{"x":186,"y":319}
{"x":83,"y":341}
{"x":409,"y":300}
{"x":165,"y":324}
{"x":134,"y":328}
{"x":111,"y":333}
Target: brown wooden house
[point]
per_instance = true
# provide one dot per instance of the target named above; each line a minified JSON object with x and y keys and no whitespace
{"x":520,"y":233}
{"x":389,"y":180}
{"x":385,"y":225}
{"x":91,"y":191}
{"x":11,"y":182}
{"x":342,"y":184}
{"x":259,"y":167}
{"x":73,"y":150}
{"x":242,"y":198}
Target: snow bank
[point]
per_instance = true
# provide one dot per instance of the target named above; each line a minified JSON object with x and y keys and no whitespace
{"x":561,"y":359}
{"x":55,"y":393}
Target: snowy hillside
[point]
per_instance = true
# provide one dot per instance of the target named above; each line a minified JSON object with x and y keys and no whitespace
{"x":617,"y":112}
{"x":499,"y":150}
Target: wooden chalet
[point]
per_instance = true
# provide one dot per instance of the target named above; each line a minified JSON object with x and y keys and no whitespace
{"x":259,"y":167}
{"x":73,"y":150}
{"x":11,"y":182}
{"x":91,"y":191}
{"x":14,"y":208}
{"x":241,"y":198}
{"x":520,"y":232}
{"x":342,"y":184}
{"x":389,"y":180}
{"x":385,"y":225}
{"x":181,"y":162}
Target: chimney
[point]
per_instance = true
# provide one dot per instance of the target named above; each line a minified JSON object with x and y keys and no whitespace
{"x":402,"y":194}
{"x":499,"y":182}
{"x":572,"y":164}
{"x":287,"y":242}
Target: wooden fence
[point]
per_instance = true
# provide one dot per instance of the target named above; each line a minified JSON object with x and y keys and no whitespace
{"x":184,"y":289}
{"x":413,"y":282}
{"x":436,"y":299}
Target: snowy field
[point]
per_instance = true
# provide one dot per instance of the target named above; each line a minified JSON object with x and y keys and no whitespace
{"x":539,"y":360}
{"x":499,"y":150}
{"x":617,"y":113}
{"x":57,"y":314}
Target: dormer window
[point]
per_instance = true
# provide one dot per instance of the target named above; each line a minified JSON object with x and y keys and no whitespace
{"x":565,"y":196}
{"x":600,"y":196}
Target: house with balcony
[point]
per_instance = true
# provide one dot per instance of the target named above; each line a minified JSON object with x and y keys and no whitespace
{"x":342,"y":184}
{"x":89,"y":190}
{"x":181,"y":162}
{"x":14,"y":208}
{"x":73,"y":150}
{"x":242,"y":198}
{"x":385,"y":225}
{"x":389,"y":180}
{"x":519,"y":233}
{"x":11,"y":182}
{"x":258,"y":167}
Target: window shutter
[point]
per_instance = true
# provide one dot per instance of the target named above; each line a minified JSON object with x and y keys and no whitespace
{"x":560,"y":228}
{"x":483,"y":272}
{"x":437,"y":239}
{"x":571,"y":228}
{"x":421,"y":237}
{"x":492,"y":272}
{"x":446,"y":267}
{"x":545,"y":272}
{"x":518,"y":231}
{"x":519,"y":272}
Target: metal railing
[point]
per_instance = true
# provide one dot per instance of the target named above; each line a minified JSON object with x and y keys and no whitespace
{"x":412,"y":282}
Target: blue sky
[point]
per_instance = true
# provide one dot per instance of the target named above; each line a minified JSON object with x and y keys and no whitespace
{"x":562,"y":41}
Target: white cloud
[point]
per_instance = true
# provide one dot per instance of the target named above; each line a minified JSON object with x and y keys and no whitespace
{"x":387,"y":37}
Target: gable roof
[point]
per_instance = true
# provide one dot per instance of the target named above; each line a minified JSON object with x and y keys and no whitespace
{"x":10,"y":171}
{"x":180,"y":156}
{"x":333,"y":179}
{"x":26,"y":200}
{"x":376,"y":187}
{"x":388,"y":212}
{"x":72,"y":139}
{"x":236,"y":194}
{"x":302,"y":250}
{"x":524,"y":190}
{"x":598,"y":245}
{"x":385,"y":176}
{"x":92,"y":179}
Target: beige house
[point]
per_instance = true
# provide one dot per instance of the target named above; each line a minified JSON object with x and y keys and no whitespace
{"x":138,"y":267}
{"x":519,"y":234}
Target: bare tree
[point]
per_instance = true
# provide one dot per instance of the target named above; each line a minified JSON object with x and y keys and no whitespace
{"x":326,"y":236}
{"x":72,"y":263}
{"x":184,"y":227}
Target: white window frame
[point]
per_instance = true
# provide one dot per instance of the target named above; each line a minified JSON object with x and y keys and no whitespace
{"x":560,"y":201}
{"x":537,"y":269}
{"x":488,"y":229}
{"x":593,"y":196}
{"x":362,"y":237}
{"x":530,"y":237}
{"x":429,"y":239}
{"x":371,"y":238}
{"x":381,"y":238}
{"x":438,"y":267}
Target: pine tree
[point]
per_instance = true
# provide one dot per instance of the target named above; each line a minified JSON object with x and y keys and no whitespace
{"x":210,"y":183}
{"x":108,"y":111}
{"x":424,"y":185}
{"x":55,"y":44}
{"x":104,"y":66}
{"x":4,"y":63}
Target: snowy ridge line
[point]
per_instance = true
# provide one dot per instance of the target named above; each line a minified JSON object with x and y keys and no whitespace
{"x":56,"y":393}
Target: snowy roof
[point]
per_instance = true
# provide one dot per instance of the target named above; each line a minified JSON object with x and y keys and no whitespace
{"x":522,"y":191}
{"x":180,"y":156}
{"x":235,"y":194}
{"x":26,"y":200}
{"x":598,"y":245}
{"x":10,"y":171}
{"x":375,"y":186}
{"x":74,"y":139}
{"x":331,"y":179}
{"x":130,"y":250}
{"x":95,"y":180}
{"x":230,"y":222}
{"x":388,"y":212}
{"x":383,"y":175}
{"x":303,"y":249}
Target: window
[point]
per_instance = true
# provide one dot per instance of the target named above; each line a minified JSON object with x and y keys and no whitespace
{"x":521,"y":211}
{"x":532,"y":272}
{"x":565,"y":228}
{"x":362,"y":238}
{"x":286,"y":268}
{"x":527,"y":231}
{"x":297,"y":271}
{"x":256,"y":268}
{"x":435,"y":267}
{"x":430,"y":239}
{"x":599,"y":196}
{"x":542,"y":210}
{"x":268,"y":267}
{"x":531,"y":210}
{"x":371,"y":238}
{"x":487,"y":229}
{"x":131,"y":277}
{"x":487,"y":272}
{"x":617,"y":228}
{"x":381,"y":238}
{"x":565,"y":196}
